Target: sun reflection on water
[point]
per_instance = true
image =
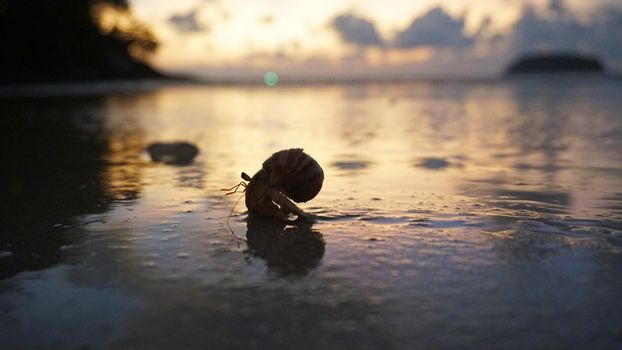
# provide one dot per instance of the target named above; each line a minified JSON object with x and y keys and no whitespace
{"x":374,"y":141}
{"x":437,"y":198}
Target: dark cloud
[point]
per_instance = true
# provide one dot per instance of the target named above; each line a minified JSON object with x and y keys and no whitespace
{"x":556,"y":27}
{"x":561,"y":30}
{"x":483,"y":29}
{"x":557,"y":7}
{"x":356,"y":30}
{"x":187,"y":22}
{"x":608,"y":35}
{"x":434,"y":29}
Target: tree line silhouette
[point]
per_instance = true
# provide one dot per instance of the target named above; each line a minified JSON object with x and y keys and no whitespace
{"x":72,"y":40}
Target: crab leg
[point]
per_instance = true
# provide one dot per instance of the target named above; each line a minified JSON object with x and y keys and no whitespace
{"x":286,"y":206}
{"x":234,"y":189}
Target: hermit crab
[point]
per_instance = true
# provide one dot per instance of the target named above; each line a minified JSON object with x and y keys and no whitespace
{"x":287,"y":175}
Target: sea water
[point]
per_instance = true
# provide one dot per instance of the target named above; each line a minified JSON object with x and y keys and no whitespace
{"x":453,"y":215}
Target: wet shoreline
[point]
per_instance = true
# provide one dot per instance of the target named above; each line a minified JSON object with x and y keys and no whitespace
{"x":464,"y":215}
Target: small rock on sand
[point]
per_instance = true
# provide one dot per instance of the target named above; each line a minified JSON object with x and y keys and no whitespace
{"x":176,"y":153}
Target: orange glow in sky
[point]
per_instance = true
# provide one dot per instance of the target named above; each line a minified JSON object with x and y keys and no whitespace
{"x":224,"y":38}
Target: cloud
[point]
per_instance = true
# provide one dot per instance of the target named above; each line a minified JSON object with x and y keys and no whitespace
{"x":561,"y":30}
{"x":608,"y":35}
{"x":558,"y":32}
{"x":356,"y":30}
{"x":434,"y":29}
{"x":187,"y":22}
{"x":557,"y":7}
{"x":266,"y":20}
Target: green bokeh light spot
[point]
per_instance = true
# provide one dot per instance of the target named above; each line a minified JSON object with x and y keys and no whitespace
{"x":270,"y":78}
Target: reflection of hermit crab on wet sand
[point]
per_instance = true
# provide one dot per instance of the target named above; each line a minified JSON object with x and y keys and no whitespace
{"x":287,"y":175}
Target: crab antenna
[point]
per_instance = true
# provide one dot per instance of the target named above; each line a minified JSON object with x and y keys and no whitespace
{"x":228,"y":226}
{"x":234,"y":189}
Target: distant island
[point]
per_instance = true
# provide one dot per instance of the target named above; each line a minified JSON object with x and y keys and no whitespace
{"x":555,"y":63}
{"x":73,"y":41}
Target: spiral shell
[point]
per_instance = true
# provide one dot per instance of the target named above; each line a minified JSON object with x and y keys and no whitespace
{"x":296,"y":173}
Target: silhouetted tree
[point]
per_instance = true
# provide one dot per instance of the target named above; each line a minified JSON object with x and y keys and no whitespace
{"x":69,"y":40}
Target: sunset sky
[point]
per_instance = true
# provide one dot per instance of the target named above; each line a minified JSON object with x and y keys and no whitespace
{"x":238,"y":39}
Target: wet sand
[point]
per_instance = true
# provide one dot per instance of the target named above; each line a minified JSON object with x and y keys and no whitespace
{"x":453,"y":215}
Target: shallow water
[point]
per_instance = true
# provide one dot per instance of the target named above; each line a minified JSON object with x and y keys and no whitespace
{"x":454,"y":215}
